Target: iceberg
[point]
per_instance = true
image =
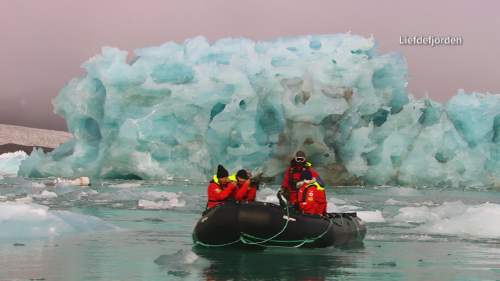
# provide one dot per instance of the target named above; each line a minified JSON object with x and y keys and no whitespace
{"x":10,"y":162}
{"x":177,"y":110}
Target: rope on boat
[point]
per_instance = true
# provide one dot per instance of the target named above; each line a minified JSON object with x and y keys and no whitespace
{"x":300,"y":242}
{"x":244,"y":237}
{"x":270,"y":238}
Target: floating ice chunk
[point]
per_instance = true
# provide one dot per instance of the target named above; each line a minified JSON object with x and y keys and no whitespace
{"x":190,"y":257}
{"x":45,"y":195}
{"x":478,"y":221}
{"x":335,"y":208}
{"x":80,"y":181}
{"x":371,"y":216}
{"x":24,"y":200}
{"x":391,"y":201}
{"x":415,"y":215}
{"x":159,"y":205}
{"x":337,"y":201}
{"x":91,"y":192}
{"x":267,"y":195}
{"x":404,"y":191}
{"x":183,"y":260}
{"x":411,"y":237}
{"x":160,"y":195}
{"x":38,"y":185}
{"x":426,"y":203}
{"x":173,"y":201}
{"x":271,"y":199}
{"x":21,"y":220}
{"x":427,"y":214}
{"x":126,"y":185}
{"x":10,"y":162}
{"x":348,"y":208}
{"x":454,"y":218}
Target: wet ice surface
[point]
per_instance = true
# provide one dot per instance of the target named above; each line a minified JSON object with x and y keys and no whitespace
{"x":135,"y":230}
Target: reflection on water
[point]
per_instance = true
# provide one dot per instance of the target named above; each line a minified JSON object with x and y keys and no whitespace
{"x":278,"y":264}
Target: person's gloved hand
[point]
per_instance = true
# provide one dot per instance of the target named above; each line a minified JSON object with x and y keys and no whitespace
{"x":255,"y":183}
{"x":284,"y":192}
{"x":282,"y":198}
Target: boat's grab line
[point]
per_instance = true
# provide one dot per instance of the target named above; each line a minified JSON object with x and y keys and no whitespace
{"x":244,"y":236}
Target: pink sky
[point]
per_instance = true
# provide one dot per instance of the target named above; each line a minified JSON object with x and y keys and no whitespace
{"x":44,"y":42}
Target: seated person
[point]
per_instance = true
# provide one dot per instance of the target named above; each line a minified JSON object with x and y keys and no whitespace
{"x":245,"y":188}
{"x":292,"y":176}
{"x":311,"y":196}
{"x":220,"y":189}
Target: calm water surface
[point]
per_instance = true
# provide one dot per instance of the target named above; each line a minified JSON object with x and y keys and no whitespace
{"x":133,"y":230}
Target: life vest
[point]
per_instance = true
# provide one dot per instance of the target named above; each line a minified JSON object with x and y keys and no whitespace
{"x":232,"y":178}
{"x":304,"y":192}
{"x":215,"y":180}
{"x":294,"y":175}
{"x":314,"y":203}
{"x":226,"y":194}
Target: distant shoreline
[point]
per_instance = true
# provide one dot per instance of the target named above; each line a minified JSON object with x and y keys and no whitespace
{"x":12,"y":147}
{"x":15,"y":138}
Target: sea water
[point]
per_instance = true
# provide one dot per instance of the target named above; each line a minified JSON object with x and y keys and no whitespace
{"x":141,"y":230}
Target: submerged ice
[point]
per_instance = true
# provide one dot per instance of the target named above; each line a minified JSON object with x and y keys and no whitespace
{"x":21,"y":220}
{"x":177,"y":110}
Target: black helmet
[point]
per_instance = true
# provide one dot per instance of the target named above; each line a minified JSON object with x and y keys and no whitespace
{"x":242,"y":174}
{"x":222,"y":172}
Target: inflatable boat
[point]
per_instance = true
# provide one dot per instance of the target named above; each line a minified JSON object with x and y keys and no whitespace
{"x":260,"y":224}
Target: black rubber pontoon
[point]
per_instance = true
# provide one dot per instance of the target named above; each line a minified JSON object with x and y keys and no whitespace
{"x":261,"y":224}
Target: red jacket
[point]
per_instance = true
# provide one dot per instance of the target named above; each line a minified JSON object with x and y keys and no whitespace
{"x":312,"y":199}
{"x":217,"y":193}
{"x":290,"y":179}
{"x":245,"y":192}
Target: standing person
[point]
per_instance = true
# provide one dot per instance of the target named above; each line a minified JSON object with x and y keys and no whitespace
{"x":220,"y":189}
{"x":246,"y":189}
{"x":292,"y":176}
{"x":311,"y":196}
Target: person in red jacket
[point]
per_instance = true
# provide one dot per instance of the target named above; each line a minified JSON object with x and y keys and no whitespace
{"x":292,"y":176}
{"x":311,"y":196}
{"x":220,"y":189}
{"x":245,"y":189}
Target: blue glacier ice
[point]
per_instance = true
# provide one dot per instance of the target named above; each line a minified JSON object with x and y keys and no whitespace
{"x":177,"y":110}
